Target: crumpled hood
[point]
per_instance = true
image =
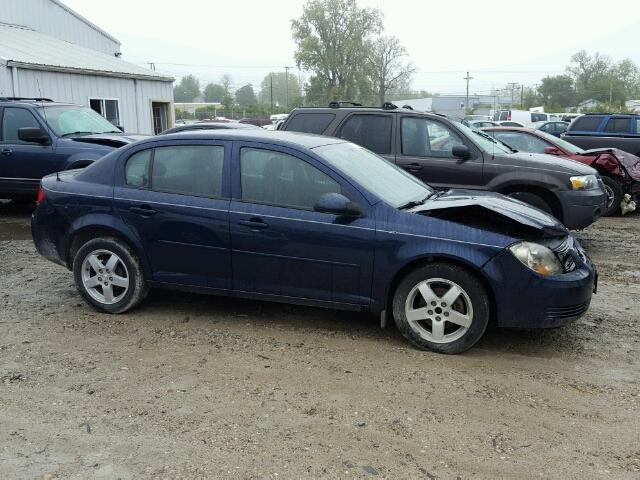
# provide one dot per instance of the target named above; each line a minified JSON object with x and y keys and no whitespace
{"x":509,"y":208}
{"x":629,"y":162}
{"x":115,"y":140}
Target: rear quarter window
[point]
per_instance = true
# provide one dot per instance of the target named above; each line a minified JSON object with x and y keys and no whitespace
{"x":310,"y":122}
{"x":586,"y":124}
{"x":618,"y":125}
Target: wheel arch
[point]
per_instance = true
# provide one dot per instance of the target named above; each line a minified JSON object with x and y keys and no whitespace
{"x":547,"y":195}
{"x":440,"y":258}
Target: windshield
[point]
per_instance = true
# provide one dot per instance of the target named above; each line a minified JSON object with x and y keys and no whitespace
{"x":68,"y":119}
{"x":484,"y":141}
{"x":382,"y":178}
{"x":569,"y":147}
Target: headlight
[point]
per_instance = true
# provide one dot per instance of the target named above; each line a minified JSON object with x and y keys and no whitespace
{"x":537,"y":257}
{"x":584,"y":182}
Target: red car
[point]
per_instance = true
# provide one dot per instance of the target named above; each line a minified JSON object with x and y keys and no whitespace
{"x":620,"y":171}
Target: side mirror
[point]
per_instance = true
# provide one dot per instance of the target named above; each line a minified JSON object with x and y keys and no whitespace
{"x":33,"y":135}
{"x":120,"y":127}
{"x":338,"y":204}
{"x":551,"y":151}
{"x":461,"y":151}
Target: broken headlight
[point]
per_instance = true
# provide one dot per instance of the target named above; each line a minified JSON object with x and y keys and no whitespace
{"x":584,"y":182}
{"x":537,"y":257}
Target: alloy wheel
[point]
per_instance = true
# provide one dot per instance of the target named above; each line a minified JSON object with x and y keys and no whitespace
{"x":105,"y":277}
{"x":439,"y":310}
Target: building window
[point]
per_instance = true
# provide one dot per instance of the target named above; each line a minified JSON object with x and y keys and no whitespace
{"x":109,"y":108}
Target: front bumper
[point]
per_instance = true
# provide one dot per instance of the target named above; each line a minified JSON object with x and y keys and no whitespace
{"x":580,"y":208}
{"x":525,"y":299}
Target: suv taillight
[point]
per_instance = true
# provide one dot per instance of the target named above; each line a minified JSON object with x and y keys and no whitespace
{"x":41,"y":195}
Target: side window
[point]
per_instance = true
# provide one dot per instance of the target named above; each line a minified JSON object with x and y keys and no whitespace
{"x":618,"y":125}
{"x":588,"y":123}
{"x":108,"y":108}
{"x":522,"y":141}
{"x":275,"y":178}
{"x":188,"y":170}
{"x":369,"y":131}
{"x":14,"y":119}
{"x":423,"y":137}
{"x":310,"y":122}
{"x":137,"y":169}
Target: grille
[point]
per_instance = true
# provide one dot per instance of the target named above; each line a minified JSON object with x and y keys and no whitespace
{"x":562,"y":313}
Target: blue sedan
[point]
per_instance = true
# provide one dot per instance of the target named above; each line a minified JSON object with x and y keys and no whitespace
{"x":309,"y":220}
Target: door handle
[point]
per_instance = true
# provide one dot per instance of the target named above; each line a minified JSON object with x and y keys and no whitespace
{"x":7,"y":151}
{"x":413,"y":167}
{"x":255,"y":223}
{"x":144,"y":210}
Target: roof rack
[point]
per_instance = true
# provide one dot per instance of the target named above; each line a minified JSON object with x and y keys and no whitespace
{"x":338,"y":104}
{"x":610,"y":113}
{"x":407,"y":107}
{"x":19,"y":99}
{"x":389,"y":106}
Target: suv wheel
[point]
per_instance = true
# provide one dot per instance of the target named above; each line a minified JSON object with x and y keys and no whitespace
{"x":108,"y":275}
{"x":532,"y":199}
{"x":614,"y":196}
{"x":441,"y":307}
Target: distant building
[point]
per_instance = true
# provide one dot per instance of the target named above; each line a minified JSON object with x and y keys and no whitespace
{"x":586,"y":104}
{"x":455,"y":105}
{"x":420,"y":104}
{"x":48,"y":50}
{"x":633,"y":105}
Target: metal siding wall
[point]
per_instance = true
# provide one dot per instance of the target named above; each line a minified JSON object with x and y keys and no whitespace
{"x":47,"y":17}
{"x":73,"y":88}
{"x":6,"y":88}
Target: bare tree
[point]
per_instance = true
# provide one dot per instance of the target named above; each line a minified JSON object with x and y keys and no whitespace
{"x":389,"y":66}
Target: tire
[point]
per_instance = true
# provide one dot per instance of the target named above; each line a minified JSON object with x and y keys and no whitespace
{"x":113,"y":290}
{"x":532,"y":199}
{"x":416,"y":321}
{"x":614,"y":196}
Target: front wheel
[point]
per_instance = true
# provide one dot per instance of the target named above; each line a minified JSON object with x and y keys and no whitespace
{"x":533,"y":200}
{"x":108,"y":275}
{"x":441,"y":307}
{"x":614,"y":195}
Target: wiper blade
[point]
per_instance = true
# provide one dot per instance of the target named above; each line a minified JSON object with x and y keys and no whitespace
{"x":414,"y":203}
{"x":77,"y":133}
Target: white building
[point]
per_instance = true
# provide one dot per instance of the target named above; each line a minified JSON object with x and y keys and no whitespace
{"x":48,"y":50}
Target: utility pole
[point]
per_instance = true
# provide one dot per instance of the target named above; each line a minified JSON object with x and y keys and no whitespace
{"x":522,"y":96}
{"x":513,"y":86}
{"x":286,"y":70}
{"x":271,"y":80}
{"x":152,"y":66}
{"x":610,"y":93}
{"x":466,"y":103}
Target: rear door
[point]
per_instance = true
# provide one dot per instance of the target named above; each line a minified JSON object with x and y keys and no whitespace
{"x":424,"y":149}
{"x":280,"y":245}
{"x":374,"y":131}
{"x":176,"y":198}
{"x":23,"y":164}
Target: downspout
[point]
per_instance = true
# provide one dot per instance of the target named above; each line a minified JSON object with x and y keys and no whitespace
{"x":135,"y":94}
{"x":14,"y":81}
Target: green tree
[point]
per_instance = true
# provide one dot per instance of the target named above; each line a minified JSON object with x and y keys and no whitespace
{"x":284,"y":87}
{"x":245,"y":96}
{"x":557,"y":90}
{"x":388,"y":66}
{"x":187,"y":89}
{"x":331,"y":40}
{"x":213,"y":92}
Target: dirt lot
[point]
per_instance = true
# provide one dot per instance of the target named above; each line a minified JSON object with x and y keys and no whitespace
{"x":190,"y":386}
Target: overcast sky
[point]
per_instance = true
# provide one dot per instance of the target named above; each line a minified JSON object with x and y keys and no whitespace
{"x":497,"y":41}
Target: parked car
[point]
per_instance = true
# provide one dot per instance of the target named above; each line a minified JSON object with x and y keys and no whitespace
{"x":479,"y":123}
{"x":258,"y":122}
{"x":309,"y":220}
{"x":39,"y":137}
{"x":620,"y":171}
{"x":524,"y":117}
{"x":599,"y":130}
{"x":447,"y":154}
{"x":509,"y":123}
{"x":552,"y":128}
{"x":208,"y":126}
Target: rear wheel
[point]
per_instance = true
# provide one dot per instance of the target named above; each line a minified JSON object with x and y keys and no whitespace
{"x":532,"y":199}
{"x":614,"y":196}
{"x":108,"y":275}
{"x":441,"y":307}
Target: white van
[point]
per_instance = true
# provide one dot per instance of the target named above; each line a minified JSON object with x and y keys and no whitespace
{"x":523,"y":116}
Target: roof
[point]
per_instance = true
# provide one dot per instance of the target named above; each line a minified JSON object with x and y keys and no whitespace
{"x":294,"y":139}
{"x":84,"y":20}
{"x":26,"y":48}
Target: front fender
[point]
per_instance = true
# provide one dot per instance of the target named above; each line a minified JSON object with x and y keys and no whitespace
{"x":533,"y":178}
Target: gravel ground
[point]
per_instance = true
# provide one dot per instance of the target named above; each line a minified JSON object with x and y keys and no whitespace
{"x":190,"y":386}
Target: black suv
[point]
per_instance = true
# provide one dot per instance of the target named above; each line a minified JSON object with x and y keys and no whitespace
{"x":448,"y":154}
{"x":39,"y":137}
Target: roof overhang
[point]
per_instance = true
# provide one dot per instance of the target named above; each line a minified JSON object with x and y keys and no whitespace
{"x":86,"y":71}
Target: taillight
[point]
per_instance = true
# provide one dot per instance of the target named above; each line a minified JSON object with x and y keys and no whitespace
{"x":41,"y":195}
